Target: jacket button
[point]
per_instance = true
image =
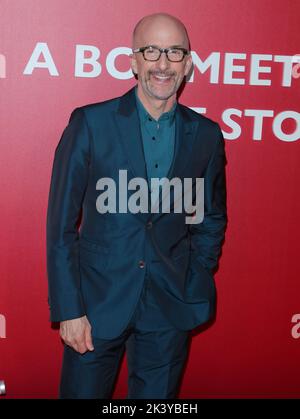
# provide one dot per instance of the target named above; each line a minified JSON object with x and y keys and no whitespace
{"x":149,"y":224}
{"x":141,"y":264}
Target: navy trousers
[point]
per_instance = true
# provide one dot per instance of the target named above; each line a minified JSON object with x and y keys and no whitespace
{"x":156,"y":354}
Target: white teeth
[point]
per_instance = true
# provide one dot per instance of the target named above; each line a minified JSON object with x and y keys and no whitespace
{"x":162,"y":77}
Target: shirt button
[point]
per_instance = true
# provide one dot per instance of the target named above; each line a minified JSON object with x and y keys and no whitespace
{"x":153,"y":138}
{"x":141,"y":264}
{"x":149,"y":224}
{"x":156,"y":165}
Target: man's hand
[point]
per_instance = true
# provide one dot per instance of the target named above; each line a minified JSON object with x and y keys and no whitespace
{"x":77,"y":334}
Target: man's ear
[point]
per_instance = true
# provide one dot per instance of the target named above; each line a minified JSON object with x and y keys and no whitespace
{"x":188,"y":65}
{"x":133,"y":63}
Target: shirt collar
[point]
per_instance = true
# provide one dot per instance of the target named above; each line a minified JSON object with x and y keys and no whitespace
{"x":145,"y":116}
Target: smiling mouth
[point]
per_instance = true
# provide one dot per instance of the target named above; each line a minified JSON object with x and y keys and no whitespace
{"x":161,"y":79}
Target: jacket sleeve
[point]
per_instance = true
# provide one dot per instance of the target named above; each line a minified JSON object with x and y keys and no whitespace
{"x":68,"y":184}
{"x":207,"y":236}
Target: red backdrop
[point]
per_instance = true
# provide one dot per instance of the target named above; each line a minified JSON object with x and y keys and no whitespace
{"x":252,"y":349}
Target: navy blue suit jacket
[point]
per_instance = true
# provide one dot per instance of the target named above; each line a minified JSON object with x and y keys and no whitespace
{"x":94,"y":268}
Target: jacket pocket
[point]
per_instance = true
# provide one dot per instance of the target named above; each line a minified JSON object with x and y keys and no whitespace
{"x":92,"y":246}
{"x":93,"y":254}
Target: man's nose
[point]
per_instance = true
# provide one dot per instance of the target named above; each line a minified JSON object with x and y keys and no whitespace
{"x":163,"y":61}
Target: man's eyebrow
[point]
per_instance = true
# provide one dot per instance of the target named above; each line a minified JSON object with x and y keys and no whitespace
{"x":176,"y":46}
{"x":171,"y":46}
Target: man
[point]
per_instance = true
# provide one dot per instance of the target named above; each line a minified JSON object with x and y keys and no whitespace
{"x":130,"y":280}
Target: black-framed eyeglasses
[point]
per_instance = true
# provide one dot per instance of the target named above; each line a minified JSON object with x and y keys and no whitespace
{"x":151,"y":53}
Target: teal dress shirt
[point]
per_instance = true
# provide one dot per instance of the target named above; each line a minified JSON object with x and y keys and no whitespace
{"x":158,"y":138}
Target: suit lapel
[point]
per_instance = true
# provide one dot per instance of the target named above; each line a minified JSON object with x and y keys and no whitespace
{"x":183,"y":143}
{"x":127,"y":121}
{"x":184,"y":139}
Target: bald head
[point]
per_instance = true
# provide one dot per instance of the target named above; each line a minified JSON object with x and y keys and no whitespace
{"x":160,"y":28}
